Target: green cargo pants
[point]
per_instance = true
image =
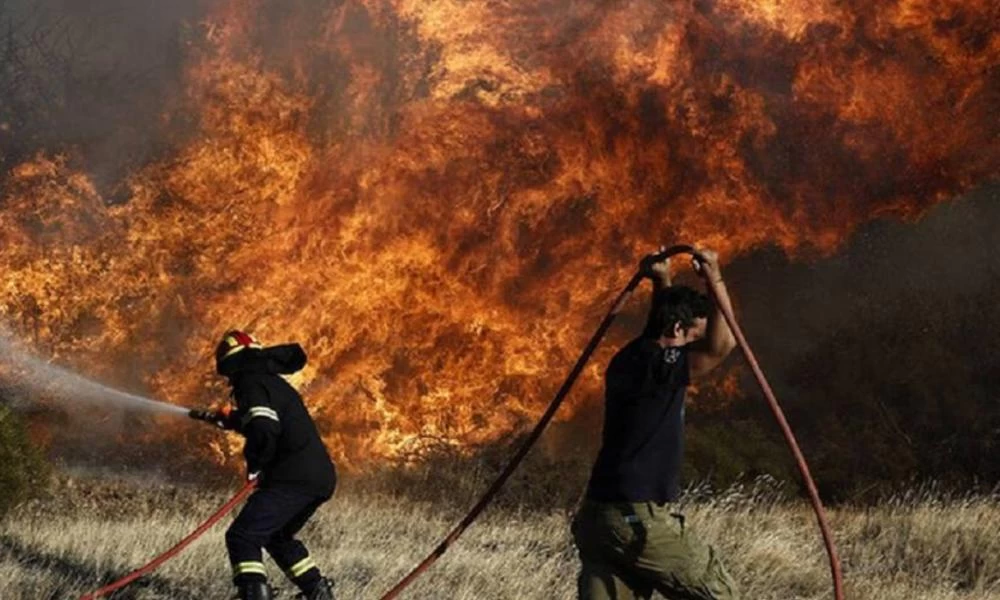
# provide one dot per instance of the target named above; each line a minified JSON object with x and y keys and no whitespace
{"x":630,"y":550}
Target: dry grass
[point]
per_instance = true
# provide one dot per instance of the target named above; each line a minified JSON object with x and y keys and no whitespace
{"x":919,"y":547}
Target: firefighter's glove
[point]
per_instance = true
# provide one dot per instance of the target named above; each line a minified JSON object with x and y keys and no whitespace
{"x":217,"y":418}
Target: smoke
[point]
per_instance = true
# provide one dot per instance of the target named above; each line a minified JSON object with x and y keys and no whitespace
{"x":945,"y":259}
{"x":884,"y":357}
{"x":91,"y":79}
{"x":25,"y":378}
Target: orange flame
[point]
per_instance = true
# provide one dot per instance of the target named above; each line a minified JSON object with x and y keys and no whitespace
{"x":438,"y":198}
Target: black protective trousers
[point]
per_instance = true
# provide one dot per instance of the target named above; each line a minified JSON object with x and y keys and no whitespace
{"x":270,"y":520}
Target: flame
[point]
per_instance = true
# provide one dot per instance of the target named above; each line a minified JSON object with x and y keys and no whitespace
{"x":438,"y":198}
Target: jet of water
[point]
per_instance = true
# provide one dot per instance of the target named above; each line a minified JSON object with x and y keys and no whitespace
{"x":24,"y":376}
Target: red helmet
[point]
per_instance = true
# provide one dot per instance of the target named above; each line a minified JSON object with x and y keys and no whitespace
{"x":234,"y":341}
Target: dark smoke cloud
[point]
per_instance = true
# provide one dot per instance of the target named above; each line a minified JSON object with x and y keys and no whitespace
{"x":947,"y":256}
{"x":884,"y":355}
{"x":90,"y":78}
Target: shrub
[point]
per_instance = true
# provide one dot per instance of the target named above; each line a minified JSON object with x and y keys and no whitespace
{"x":23,"y":468}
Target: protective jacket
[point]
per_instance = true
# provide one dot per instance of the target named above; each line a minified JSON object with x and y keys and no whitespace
{"x":282,"y":443}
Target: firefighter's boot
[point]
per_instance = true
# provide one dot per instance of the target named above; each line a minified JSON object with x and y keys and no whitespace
{"x":322,"y":591}
{"x":254,"y":590}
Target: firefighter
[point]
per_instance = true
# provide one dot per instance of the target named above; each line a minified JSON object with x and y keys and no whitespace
{"x":631,"y":536}
{"x":286,"y":457}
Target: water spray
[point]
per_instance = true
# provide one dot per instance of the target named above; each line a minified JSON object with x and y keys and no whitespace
{"x":24,"y":373}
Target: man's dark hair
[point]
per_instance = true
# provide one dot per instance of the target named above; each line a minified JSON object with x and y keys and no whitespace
{"x":676,"y":304}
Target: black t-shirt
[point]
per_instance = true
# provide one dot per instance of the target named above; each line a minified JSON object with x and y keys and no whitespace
{"x":643,"y":444}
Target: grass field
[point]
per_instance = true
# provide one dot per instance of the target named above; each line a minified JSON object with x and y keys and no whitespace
{"x":917,"y":547}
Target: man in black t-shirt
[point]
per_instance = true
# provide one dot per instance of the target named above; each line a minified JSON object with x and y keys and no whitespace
{"x":631,"y":538}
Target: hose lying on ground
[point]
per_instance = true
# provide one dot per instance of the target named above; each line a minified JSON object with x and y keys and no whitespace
{"x":176,"y":549}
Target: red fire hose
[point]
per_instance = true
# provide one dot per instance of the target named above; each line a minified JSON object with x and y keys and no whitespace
{"x":793,"y":445}
{"x":159,"y":560}
{"x":530,"y":441}
{"x":568,"y":384}
{"x":525,"y":447}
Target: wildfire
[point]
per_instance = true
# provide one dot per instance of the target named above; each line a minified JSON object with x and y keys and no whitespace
{"x":438,"y":198}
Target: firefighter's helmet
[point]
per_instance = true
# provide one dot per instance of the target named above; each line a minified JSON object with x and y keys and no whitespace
{"x":233,"y":342}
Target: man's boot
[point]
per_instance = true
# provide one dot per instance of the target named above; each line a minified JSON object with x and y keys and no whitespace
{"x":322,"y":591}
{"x":254,"y":590}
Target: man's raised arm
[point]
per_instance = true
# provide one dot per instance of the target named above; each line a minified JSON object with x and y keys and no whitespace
{"x":719,"y":340}
{"x":658,"y":271}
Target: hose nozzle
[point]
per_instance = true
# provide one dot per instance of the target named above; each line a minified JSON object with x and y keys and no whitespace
{"x":208,"y":416}
{"x":219,"y":418}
